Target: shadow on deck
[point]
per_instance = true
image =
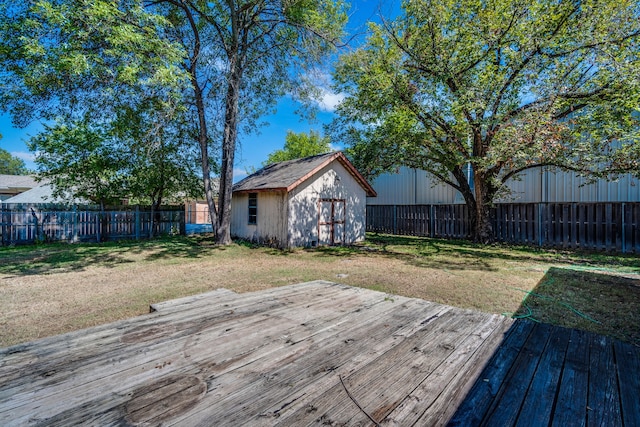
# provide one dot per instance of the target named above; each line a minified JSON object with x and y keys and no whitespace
{"x":543,"y":375}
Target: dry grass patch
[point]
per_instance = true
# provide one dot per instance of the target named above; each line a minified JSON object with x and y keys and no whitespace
{"x":53,"y":289}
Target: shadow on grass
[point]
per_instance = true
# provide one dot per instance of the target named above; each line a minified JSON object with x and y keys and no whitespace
{"x":465,"y":255}
{"x":416,"y":251}
{"x":594,"y":302}
{"x":64,"y":257}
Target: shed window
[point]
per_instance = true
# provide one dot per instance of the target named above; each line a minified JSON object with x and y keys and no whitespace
{"x":253,"y":208}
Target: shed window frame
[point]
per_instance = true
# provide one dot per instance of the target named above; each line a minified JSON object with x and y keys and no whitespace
{"x":253,"y":208}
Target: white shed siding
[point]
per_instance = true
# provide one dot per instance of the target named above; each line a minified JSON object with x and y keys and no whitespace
{"x":270,"y":222}
{"x":331,"y":182}
{"x":409,"y":187}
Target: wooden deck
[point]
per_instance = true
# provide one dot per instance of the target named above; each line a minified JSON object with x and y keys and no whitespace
{"x":318,"y":353}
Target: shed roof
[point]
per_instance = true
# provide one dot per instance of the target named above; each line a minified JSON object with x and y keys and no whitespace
{"x":285,"y":176}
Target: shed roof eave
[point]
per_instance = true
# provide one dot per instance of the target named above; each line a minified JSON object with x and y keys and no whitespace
{"x":262,"y":190}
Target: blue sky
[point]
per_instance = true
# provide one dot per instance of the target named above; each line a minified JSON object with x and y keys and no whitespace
{"x":253,"y":149}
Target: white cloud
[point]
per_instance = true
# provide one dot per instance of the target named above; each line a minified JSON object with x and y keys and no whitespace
{"x":238,"y":174}
{"x":323,"y":95}
{"x":329,"y":101}
{"x":29,"y":157}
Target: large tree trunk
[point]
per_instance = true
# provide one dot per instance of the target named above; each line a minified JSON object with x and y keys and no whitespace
{"x":482,"y":229}
{"x":223,"y":234}
{"x":203,"y":138}
{"x":156,"y":202}
{"x":203,"y":142}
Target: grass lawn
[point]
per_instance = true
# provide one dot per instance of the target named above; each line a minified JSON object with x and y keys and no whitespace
{"x":51,"y":289}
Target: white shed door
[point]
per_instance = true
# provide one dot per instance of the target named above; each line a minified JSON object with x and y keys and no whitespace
{"x":331,"y":221}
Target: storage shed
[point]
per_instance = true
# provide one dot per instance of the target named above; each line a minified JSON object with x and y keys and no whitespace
{"x":318,"y":200}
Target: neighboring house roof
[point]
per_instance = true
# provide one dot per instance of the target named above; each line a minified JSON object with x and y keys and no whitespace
{"x":285,"y":176}
{"x":41,"y":194}
{"x":8,"y":182}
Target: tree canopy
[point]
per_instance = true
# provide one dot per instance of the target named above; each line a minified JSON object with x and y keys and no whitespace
{"x":11,"y":165}
{"x":214,"y":67}
{"x":106,"y":83}
{"x":241,"y":57}
{"x":74,"y":59}
{"x":300,"y":145}
{"x":499,"y":85}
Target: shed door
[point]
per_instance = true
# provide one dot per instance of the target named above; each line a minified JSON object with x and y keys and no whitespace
{"x":331,"y":221}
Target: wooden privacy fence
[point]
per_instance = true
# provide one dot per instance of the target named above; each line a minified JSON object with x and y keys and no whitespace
{"x":29,"y":223}
{"x":592,"y":226}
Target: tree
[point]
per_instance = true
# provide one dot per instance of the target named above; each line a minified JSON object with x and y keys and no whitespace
{"x":10,"y":165}
{"x":160,"y":161}
{"x":241,"y":57}
{"x":500,"y":86}
{"x":106,"y":164}
{"x":78,"y":159}
{"x":102,"y":73}
{"x":300,"y":145}
{"x":226,"y":62}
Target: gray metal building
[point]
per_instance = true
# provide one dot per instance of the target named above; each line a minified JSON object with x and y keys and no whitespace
{"x":417,"y":187}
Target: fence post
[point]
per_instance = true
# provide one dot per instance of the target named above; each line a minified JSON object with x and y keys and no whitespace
{"x":3,"y":226}
{"x":98,"y":226}
{"x":432,"y":221}
{"x":183,"y":223}
{"x":623,"y":230}
{"x":540,"y":232}
{"x":74,"y":224}
{"x":395,"y":220}
{"x":137,"y":223}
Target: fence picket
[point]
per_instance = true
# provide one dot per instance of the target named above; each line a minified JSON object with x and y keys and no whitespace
{"x":22,"y":223}
{"x":593,"y":226}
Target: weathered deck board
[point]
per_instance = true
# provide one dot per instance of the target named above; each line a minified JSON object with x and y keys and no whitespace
{"x":89,"y":342}
{"x":237,"y":337}
{"x":271,"y":389}
{"x":574,"y":385}
{"x":628,"y":364}
{"x":604,"y":400}
{"x":483,"y":393}
{"x":544,"y":375}
{"x":276,"y":357}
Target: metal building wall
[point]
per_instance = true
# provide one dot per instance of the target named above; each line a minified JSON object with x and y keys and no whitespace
{"x":410,"y":187}
{"x":397,"y":188}
{"x":417,"y":187}
{"x":569,"y":187}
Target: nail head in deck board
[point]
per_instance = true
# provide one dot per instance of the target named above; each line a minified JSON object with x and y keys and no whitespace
{"x":274,"y":357}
